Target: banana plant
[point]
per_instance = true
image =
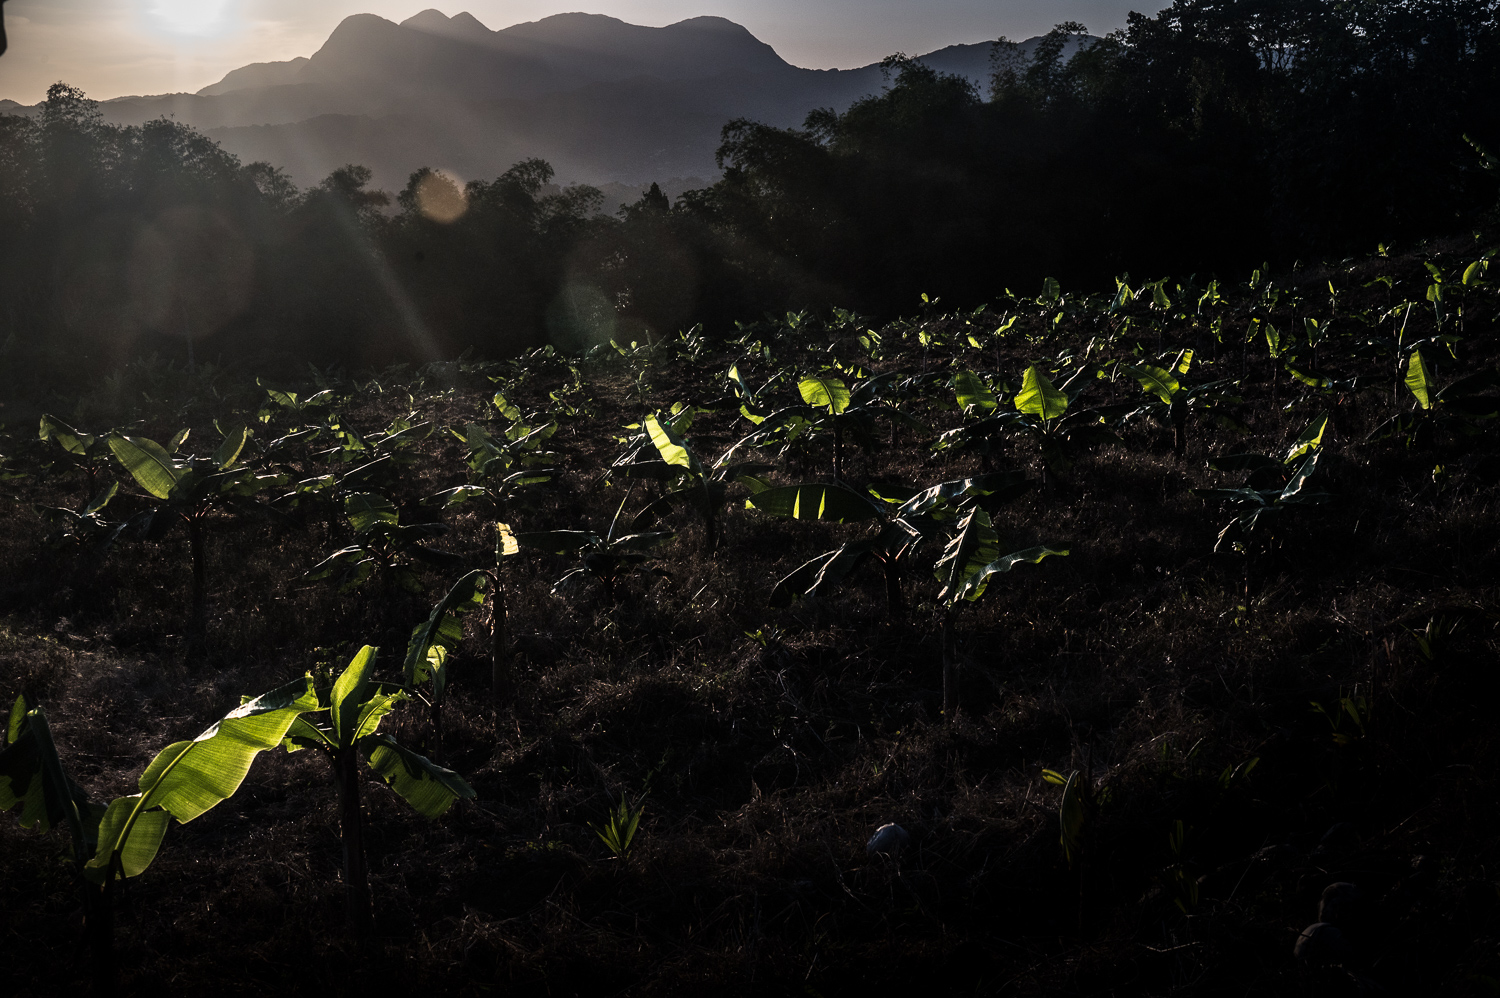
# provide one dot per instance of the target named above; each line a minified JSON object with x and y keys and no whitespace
{"x":970,"y":561}
{"x":1461,"y":406}
{"x":32,"y":777}
{"x":1255,"y":507}
{"x":830,"y":407}
{"x":1040,"y":412}
{"x":384,"y":545}
{"x":689,"y":480}
{"x":343,"y":725}
{"x":436,"y":638}
{"x":88,"y":452}
{"x":1175,"y":400}
{"x":1267,"y":472}
{"x":293,"y":403}
{"x":191,"y":489}
{"x":908,"y":517}
{"x":84,"y":529}
{"x":608,"y":559}
{"x":500,"y":466}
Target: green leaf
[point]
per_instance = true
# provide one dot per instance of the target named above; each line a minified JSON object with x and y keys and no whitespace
{"x":148,"y":463}
{"x":1154,"y":380}
{"x":814,"y":501}
{"x":17,"y":715}
{"x":975,"y":546}
{"x":426,"y":786}
{"x":671,"y":447}
{"x":1071,"y":818}
{"x":372,"y":710}
{"x":1038,"y":397}
{"x":102,"y":499}
{"x":190,"y":777}
{"x":979,"y":581}
{"x":132,"y":837}
{"x":366,"y":509}
{"x":349,"y":692}
{"x":440,"y":634}
{"x":32,"y":776}
{"x":824,"y":392}
{"x":972,"y":392}
{"x":1273,"y":341}
{"x":229,"y":450}
{"x":1419,"y":380}
{"x":825,"y":572}
{"x":1310,"y":439}
{"x":65,"y":436}
{"x":1005,"y":482}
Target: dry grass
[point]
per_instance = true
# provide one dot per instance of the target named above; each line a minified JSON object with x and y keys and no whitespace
{"x":769,"y":764}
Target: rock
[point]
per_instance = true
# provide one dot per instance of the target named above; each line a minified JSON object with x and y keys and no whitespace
{"x":1342,"y":905}
{"x":889,"y":840}
{"x":1321,"y":943}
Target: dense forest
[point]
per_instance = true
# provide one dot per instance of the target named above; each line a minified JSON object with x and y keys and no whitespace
{"x":1042,"y":542}
{"x":1210,"y":138}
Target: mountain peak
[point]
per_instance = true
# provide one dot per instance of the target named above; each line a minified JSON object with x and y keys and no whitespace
{"x":709,"y":22}
{"x":435,"y":22}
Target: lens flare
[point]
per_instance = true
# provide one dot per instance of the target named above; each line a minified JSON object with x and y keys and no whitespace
{"x":194,"y":18}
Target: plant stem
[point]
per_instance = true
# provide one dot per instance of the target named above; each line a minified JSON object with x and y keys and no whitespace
{"x":950,"y":670}
{"x":99,"y":932}
{"x":502,"y":682}
{"x":198,"y":624}
{"x":351,"y":826}
{"x":838,"y":450}
{"x":895,"y":603}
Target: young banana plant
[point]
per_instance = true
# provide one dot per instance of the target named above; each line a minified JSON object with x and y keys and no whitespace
{"x":88,"y":452}
{"x":191,"y":489}
{"x":500,"y":467}
{"x":32,"y":776}
{"x":689,"y":480}
{"x":968,"y":564}
{"x":86,"y":529}
{"x":608,"y":559}
{"x":344,"y":725}
{"x":829,"y":406}
{"x":1273,"y":487}
{"x":1175,"y":400}
{"x":435,"y":639}
{"x":383,"y":544}
{"x":1461,"y":406}
{"x":908,"y":517}
{"x":1041,"y":412}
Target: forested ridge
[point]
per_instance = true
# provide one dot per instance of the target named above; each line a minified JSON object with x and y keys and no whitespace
{"x":1207,"y":140}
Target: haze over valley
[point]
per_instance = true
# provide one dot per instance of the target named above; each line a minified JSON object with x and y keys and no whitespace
{"x":603,"y":101}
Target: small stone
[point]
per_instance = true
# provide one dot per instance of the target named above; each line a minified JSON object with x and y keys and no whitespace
{"x":1343,"y":905}
{"x":1321,"y":943}
{"x":889,"y":839}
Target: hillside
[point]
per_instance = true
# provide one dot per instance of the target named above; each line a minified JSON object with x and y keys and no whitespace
{"x":602,"y":100}
{"x":1234,"y":680}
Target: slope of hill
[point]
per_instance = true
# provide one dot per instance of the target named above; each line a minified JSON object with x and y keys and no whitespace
{"x":601,"y":99}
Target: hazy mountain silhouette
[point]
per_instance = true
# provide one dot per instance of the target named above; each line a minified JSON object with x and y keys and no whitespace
{"x":600,"y":99}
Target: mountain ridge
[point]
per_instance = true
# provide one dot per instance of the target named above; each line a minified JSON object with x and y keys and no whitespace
{"x":603,"y":100}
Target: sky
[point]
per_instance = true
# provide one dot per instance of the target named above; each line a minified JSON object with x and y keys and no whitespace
{"x":114,"y":48}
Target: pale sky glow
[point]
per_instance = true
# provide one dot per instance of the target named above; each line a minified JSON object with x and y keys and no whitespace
{"x":113,"y":48}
